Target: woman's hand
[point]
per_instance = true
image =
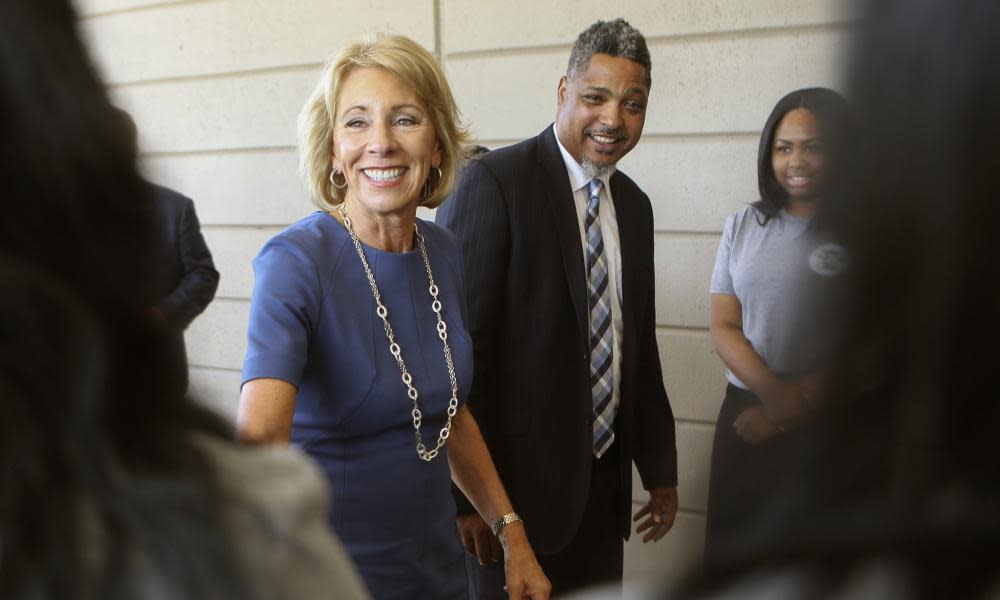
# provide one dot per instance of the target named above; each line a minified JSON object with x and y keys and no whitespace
{"x":754,"y":427}
{"x":524,"y":575}
{"x":785,"y":402}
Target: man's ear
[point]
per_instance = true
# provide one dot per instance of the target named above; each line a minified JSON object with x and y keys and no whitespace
{"x":561,"y":91}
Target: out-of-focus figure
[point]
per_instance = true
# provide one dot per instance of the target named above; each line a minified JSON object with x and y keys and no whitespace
{"x":112,"y":483}
{"x":901,"y":487}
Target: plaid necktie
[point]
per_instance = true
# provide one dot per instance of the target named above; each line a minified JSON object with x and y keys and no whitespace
{"x":601,"y":335}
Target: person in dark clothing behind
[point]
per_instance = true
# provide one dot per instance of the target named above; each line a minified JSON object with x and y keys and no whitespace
{"x":185,"y":278}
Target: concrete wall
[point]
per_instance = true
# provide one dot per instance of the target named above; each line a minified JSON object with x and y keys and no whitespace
{"x":215,"y":86}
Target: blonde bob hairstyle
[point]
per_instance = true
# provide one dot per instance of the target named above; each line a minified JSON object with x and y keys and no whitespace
{"x":415,"y":67}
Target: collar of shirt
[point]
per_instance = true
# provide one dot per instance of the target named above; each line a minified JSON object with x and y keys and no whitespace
{"x":578,"y":178}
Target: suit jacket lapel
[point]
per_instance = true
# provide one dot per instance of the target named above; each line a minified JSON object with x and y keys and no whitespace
{"x":557,"y":190}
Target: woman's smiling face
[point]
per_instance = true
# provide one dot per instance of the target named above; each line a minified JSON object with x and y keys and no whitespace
{"x":798,"y":156}
{"x":383,"y":141}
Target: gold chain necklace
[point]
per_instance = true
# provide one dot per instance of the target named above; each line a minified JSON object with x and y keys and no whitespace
{"x":396,"y":351}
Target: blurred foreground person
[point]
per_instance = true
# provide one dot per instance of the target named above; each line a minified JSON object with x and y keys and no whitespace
{"x":900,"y":498}
{"x":358,"y":349}
{"x":772,"y":325}
{"x":112,"y":483}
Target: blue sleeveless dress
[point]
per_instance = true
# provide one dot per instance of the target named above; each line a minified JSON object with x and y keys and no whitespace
{"x":313,"y":324}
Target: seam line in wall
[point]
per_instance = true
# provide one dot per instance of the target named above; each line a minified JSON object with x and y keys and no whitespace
{"x":214,"y":151}
{"x":143,"y":8}
{"x":682,"y":329}
{"x":666,"y":39}
{"x":213,"y":368}
{"x":236,"y":73}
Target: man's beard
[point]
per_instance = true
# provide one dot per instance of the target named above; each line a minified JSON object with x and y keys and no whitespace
{"x":594,"y":170}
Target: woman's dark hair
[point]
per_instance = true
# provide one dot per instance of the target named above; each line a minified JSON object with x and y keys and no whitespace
{"x":830,"y":111}
{"x":100,"y":478}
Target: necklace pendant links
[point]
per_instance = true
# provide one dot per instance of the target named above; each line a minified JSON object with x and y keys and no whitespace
{"x":442,"y":328}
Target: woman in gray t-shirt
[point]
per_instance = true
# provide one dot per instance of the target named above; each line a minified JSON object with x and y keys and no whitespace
{"x":770,"y":322}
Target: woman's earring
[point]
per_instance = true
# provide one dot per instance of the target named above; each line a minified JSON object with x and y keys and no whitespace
{"x":430,"y":188}
{"x":333,"y":180}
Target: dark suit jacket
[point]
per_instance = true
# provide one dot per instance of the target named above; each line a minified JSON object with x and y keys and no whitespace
{"x":513,"y":215}
{"x":186,"y":278}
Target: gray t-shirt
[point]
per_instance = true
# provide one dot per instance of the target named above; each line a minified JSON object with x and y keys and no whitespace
{"x":784,"y":276}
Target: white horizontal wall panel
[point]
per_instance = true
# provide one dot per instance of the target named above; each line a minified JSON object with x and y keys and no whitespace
{"x":233,"y":249}
{"x":236,"y":188}
{"x":683,"y":267}
{"x":712,"y":85}
{"x":506,"y":97}
{"x":730,"y":84}
{"x":203,"y":38}
{"x":693,"y":373}
{"x":483,"y":26}
{"x":218,"y":337}
{"x":233,"y":112}
{"x":217,"y":389}
{"x":694,"y":457}
{"x":91,"y":7}
{"x":694,"y":182}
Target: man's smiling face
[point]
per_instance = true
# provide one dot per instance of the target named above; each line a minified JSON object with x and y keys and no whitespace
{"x":601,"y":111}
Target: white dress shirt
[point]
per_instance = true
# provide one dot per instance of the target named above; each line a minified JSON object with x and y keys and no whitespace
{"x":578,"y":180}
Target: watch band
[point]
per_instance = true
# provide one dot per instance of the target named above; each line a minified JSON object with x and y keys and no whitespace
{"x":504,"y":521}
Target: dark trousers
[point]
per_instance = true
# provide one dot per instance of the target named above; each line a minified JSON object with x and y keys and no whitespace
{"x":745,"y":483}
{"x":593,"y":557}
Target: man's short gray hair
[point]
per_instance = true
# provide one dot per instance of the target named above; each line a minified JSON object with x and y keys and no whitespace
{"x":614,"y":38}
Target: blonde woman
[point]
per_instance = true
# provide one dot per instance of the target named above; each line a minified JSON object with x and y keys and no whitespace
{"x":358,"y":349}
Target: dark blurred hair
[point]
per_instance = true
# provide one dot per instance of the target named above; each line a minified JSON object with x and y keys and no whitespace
{"x":615,"y":38}
{"x":475,"y":151}
{"x":913,"y":404}
{"x":99,"y":477}
{"x":831,"y":112}
{"x":903,"y":480}
{"x":922,"y":228}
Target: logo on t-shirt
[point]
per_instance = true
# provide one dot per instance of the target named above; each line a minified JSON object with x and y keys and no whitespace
{"x":828,"y":260}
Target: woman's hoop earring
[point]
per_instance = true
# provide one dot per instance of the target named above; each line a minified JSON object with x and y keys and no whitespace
{"x":430,"y":188}
{"x":333,"y":181}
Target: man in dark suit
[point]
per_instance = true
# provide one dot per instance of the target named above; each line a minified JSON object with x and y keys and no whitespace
{"x":568,"y":390}
{"x":186,"y":278}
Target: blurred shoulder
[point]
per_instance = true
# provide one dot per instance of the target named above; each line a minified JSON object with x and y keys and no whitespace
{"x":169,"y":197}
{"x":272,"y":481}
{"x":274,"y":506}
